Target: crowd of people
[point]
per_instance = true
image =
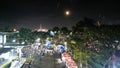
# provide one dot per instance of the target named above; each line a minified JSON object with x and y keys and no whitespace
{"x":48,"y":48}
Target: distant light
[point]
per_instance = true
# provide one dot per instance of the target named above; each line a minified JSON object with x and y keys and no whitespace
{"x":14,"y":30}
{"x":67,"y":12}
{"x":13,"y":40}
{"x":23,"y":43}
{"x":38,"y":40}
{"x":116,"y":41}
{"x":52,"y":33}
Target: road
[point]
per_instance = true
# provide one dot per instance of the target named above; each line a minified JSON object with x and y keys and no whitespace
{"x":48,"y":61}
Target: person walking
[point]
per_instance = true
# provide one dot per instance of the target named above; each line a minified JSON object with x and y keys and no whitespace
{"x":29,"y":66}
{"x":41,"y":55}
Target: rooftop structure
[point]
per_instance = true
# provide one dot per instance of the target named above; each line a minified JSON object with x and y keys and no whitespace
{"x":40,"y":29}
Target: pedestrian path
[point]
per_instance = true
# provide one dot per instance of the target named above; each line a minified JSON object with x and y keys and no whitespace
{"x":49,"y":59}
{"x":46,"y":62}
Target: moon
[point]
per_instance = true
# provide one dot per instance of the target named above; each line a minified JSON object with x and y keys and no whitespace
{"x":67,"y":12}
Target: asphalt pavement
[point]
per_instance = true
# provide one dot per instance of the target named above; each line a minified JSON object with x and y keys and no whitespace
{"x":47,"y":61}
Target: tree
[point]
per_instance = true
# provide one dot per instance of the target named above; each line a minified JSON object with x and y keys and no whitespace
{"x":24,"y":34}
{"x":64,"y":30}
{"x":8,"y":29}
{"x":90,"y":43}
{"x":86,"y":22}
{"x":56,"y":28}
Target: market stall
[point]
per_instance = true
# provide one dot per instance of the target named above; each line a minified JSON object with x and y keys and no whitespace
{"x":70,"y":63}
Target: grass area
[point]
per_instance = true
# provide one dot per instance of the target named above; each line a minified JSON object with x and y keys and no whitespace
{"x":28,"y":60}
{"x":6,"y":65}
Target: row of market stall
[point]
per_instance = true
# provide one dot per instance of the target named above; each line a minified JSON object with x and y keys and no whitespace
{"x":69,"y":62}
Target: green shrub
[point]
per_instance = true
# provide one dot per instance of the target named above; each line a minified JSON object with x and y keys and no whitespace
{"x":28,"y":61}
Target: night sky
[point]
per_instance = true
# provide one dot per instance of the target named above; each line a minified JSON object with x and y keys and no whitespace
{"x":50,"y":13}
